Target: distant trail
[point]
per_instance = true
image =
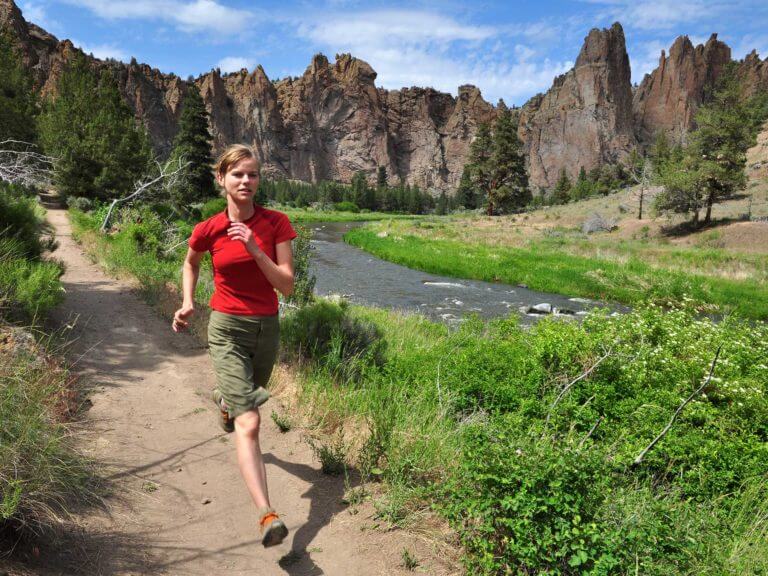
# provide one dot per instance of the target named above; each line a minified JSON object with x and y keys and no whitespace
{"x":154,"y":431}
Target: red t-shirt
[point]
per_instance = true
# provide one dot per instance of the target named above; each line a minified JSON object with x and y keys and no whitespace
{"x":240,"y":286}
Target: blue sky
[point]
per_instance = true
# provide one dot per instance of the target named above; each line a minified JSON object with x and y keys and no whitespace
{"x":511,"y":50}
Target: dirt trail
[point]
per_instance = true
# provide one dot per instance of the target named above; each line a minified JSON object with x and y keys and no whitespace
{"x":180,"y":506}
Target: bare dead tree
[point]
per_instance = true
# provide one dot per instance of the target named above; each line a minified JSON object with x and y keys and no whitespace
{"x":699,"y":390}
{"x":21,"y":163}
{"x":168,"y":174}
{"x":642,"y":174}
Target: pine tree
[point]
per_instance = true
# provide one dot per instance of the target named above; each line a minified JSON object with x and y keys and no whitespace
{"x":359,"y":189}
{"x":193,"y":145}
{"x":562,"y":191}
{"x":441,"y":208}
{"x":18,"y":104}
{"x":100,"y":150}
{"x":465,"y":193}
{"x":480,"y":152}
{"x":509,"y":181}
{"x":381,"y":177}
{"x":583,"y":187}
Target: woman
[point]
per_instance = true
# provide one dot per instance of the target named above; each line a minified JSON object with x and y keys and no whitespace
{"x":251,"y":253}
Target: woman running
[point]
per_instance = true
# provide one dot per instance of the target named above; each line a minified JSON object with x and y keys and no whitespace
{"x":251,"y":253}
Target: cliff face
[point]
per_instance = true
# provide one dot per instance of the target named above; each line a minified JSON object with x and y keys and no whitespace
{"x":585,"y":119}
{"x":667,"y":99}
{"x":332,"y":121}
{"x":754,"y":74}
{"x":327,"y":124}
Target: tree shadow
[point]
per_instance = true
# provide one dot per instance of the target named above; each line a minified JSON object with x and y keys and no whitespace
{"x":325,"y":501}
{"x":686,"y":228}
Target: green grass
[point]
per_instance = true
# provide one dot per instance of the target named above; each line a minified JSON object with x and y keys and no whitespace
{"x":333,"y":216}
{"x":542,"y":266}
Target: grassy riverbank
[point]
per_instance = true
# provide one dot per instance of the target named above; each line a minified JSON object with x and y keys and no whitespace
{"x":567,"y":262}
{"x":311,"y":215}
{"x":525,"y":441}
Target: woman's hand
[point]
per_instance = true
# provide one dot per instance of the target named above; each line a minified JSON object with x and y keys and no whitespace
{"x":241,"y":232}
{"x":181,"y":317}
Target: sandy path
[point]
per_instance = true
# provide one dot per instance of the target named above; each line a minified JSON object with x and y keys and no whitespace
{"x":154,"y":431}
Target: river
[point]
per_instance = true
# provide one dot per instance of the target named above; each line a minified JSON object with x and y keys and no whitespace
{"x":365,"y":279}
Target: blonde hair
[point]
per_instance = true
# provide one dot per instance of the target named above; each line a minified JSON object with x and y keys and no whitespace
{"x":231,"y":156}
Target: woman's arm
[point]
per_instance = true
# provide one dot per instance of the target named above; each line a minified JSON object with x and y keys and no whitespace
{"x":279,"y":274}
{"x":190,"y":273}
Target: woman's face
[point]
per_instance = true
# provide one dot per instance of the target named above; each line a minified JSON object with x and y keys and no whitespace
{"x":241,"y":180}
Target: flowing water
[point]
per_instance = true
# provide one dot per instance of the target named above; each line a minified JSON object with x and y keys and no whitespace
{"x":365,"y":279}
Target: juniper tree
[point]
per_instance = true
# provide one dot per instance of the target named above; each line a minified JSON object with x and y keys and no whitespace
{"x":100,"y":149}
{"x":193,"y":144}
{"x":509,"y":180}
{"x":18,"y":104}
{"x":465,"y":193}
{"x":561,"y":193}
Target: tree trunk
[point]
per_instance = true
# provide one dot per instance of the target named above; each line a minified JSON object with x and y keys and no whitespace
{"x":640,"y":211}
{"x":710,"y":201}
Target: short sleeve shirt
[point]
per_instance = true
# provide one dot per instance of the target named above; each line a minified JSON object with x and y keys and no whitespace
{"x":240,"y":286}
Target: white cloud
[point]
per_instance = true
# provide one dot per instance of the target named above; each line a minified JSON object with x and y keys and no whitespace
{"x":423,"y":48}
{"x":103,"y":51}
{"x":32,"y":12}
{"x":235,"y":64}
{"x":658,"y":14}
{"x":383,"y":27}
{"x":200,"y":15}
{"x":35,"y":12}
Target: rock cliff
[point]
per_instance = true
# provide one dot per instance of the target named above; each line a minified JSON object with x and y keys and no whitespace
{"x":668,"y":97}
{"x":333,"y":121}
{"x":585,"y":119}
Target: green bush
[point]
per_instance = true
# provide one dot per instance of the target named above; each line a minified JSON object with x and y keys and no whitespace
{"x":530,"y":505}
{"x":20,"y":218}
{"x":327,"y":333}
{"x":346,"y":207}
{"x":212,"y":207}
{"x":27,"y":286}
{"x":80,"y":203}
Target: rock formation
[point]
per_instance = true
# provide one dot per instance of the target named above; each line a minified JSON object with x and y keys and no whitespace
{"x":668,"y":97}
{"x":333,"y":121}
{"x":753,"y":73}
{"x":585,"y":119}
{"x":327,"y":124}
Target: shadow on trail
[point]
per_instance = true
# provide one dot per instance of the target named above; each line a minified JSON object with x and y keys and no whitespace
{"x":75,"y":550}
{"x":325,"y":501}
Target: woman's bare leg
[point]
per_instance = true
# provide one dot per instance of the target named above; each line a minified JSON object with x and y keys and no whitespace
{"x":249,"y":457}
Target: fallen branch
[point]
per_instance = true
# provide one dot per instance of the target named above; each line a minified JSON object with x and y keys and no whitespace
{"x":565,"y":390}
{"x":591,"y":431}
{"x":165,"y":174}
{"x":663,"y":433}
{"x":20,"y":164}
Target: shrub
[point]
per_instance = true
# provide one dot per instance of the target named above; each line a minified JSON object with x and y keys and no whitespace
{"x":39,"y":471}
{"x":529,"y":504}
{"x":212,"y":207}
{"x":80,"y":203}
{"x":20,"y":219}
{"x":346,"y":207}
{"x":325,"y":332}
{"x":304,"y":280}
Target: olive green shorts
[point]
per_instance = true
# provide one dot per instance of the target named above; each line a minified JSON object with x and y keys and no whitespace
{"x":243,"y":351}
